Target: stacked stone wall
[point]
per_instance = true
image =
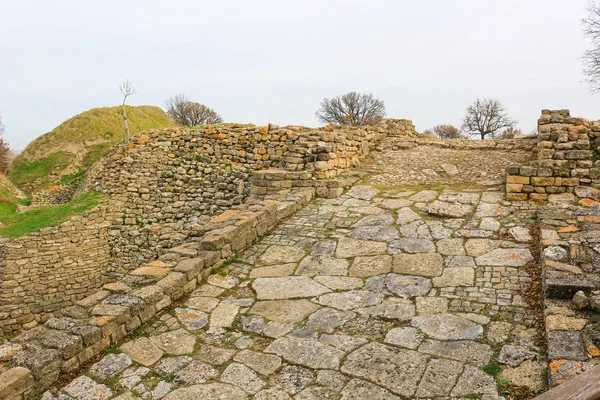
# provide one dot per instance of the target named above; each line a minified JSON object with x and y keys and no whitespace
{"x":165,"y":185}
{"x":50,"y":270}
{"x":567,"y":165}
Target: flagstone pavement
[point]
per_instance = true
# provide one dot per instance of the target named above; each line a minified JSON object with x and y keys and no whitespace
{"x":382,"y":293}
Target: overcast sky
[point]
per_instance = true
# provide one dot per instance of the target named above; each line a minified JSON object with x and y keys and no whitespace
{"x":273,"y":61}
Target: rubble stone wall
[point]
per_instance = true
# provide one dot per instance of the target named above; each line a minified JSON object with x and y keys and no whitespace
{"x":567,"y":164}
{"x":50,"y":270}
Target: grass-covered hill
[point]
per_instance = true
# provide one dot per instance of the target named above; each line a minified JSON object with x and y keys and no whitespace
{"x":63,"y":155}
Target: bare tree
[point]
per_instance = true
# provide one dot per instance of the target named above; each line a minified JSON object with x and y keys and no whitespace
{"x":591,"y":57}
{"x":486,"y":117}
{"x":446,"y":131}
{"x":189,"y":113}
{"x":510,"y":133}
{"x":354,"y":109}
{"x":127,"y":89}
{"x":4,"y":150}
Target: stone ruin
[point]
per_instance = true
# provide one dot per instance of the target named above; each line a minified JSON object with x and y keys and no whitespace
{"x":183,"y":206}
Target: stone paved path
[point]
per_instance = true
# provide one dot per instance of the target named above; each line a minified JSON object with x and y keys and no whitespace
{"x":377,"y":294}
{"x":434,"y":165}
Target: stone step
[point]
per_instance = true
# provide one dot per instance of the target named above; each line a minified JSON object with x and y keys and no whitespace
{"x":564,"y":285}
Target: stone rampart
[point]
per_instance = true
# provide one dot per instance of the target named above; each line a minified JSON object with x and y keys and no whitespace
{"x":567,"y":166}
{"x":52,"y":269}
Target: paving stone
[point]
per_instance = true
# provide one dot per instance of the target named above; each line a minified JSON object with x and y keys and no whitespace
{"x":349,"y":247}
{"x":394,"y":204}
{"x":397,"y":369}
{"x":253,"y":323}
{"x":413,"y":245}
{"x":450,"y":210}
{"x":515,"y":355}
{"x":492,"y":210}
{"x":84,"y":388}
{"x":356,"y":203}
{"x":460,"y":261}
{"x":447,"y":327}
{"x":277,"y":254}
{"x":344,"y":343}
{"x":377,"y":233}
{"x":293,"y":378}
{"x":287,"y":288}
{"x":195,"y":372}
{"x":192,"y":320}
{"x":492,"y":197}
{"x":438,"y":231}
{"x":244,"y":342}
{"x":358,"y":389}
{"x":276,"y":329}
{"x":392,"y":309}
{"x":439,"y":378}
{"x":375,"y":220}
{"x":351,"y":299}
{"x":170,"y":365}
{"x":406,"y":216}
{"x":243,"y":377}
{"x":417,"y":229}
{"x":306,"y":352}
{"x":371,"y":265}
{"x":265,"y":364}
{"x":340,"y":282}
{"x":474,"y":380}
{"x":479,"y":247}
{"x":505,"y":258}
{"x":423,"y":264}
{"x":331,"y":379}
{"x":208,"y":291}
{"x":452,"y":196}
{"x":225,"y":282}
{"x":450,"y":247}
{"x":210,"y":391}
{"x":273,"y":271}
{"x":455,"y":276}
{"x":216,"y":355}
{"x":272,"y":394}
{"x":178,"y":342}
{"x":110,"y":365}
{"x":142,"y":351}
{"x":529,"y":374}
{"x":499,"y":332}
{"x":327,"y":319}
{"x":465,"y":351}
{"x":206,"y":304}
{"x":324,"y":248}
{"x":555,"y":253}
{"x":322,"y":265}
{"x":489,"y":224}
{"x":161,"y":390}
{"x":566,"y":345}
{"x":425,"y":196}
{"x":224,"y":315}
{"x":284,"y":310}
{"x":362,"y":192}
{"x":407,"y":286}
{"x":431,"y":305}
{"x":404,"y":337}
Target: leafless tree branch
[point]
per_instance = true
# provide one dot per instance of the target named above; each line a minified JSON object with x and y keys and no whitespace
{"x":127,"y":89}
{"x":486,"y":117}
{"x":354,"y":109}
{"x":591,"y":57}
{"x":189,"y":113}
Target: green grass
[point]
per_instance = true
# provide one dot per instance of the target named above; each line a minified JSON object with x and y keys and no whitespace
{"x":54,"y":151}
{"x":17,"y":225}
{"x":492,"y":368}
{"x":24,"y":172}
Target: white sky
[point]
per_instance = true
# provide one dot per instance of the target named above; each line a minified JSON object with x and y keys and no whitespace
{"x":273,"y":61}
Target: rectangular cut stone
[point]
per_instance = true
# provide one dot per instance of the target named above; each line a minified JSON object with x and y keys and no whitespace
{"x":539,"y":181}
{"x":518,"y":179}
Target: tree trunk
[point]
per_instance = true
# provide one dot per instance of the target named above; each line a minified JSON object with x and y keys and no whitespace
{"x":126,"y":122}
{"x":482,"y":134}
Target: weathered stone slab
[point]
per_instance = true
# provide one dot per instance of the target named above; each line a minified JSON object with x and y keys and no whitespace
{"x":322,"y":265}
{"x":327,"y":319}
{"x":377,"y":233}
{"x":340,"y":282}
{"x":351,"y":299}
{"x":142,"y":351}
{"x":450,"y":210}
{"x":84,"y":388}
{"x":308,"y":353}
{"x":365,"y":266}
{"x":193,"y":320}
{"x":273,"y":271}
{"x":397,"y":369}
{"x":439,"y":378}
{"x":455,"y":276}
{"x":406,"y":216}
{"x":243,"y":377}
{"x":178,"y":342}
{"x":349,"y":247}
{"x":363,"y":192}
{"x":262,"y":363}
{"x":284,"y":310}
{"x":474,"y":380}
{"x":358,"y":389}
{"x":413,"y":245}
{"x":404,"y":337}
{"x":465,"y":351}
{"x":447,"y":327}
{"x":423,"y":264}
{"x":287,"y":288}
{"x":210,"y":391}
{"x":277,"y":254}
{"x":505,"y":258}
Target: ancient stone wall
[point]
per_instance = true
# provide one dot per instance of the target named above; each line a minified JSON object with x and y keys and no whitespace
{"x":165,"y":185}
{"x":50,"y":270}
{"x":567,"y":165}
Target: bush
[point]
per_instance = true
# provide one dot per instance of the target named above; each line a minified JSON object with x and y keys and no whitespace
{"x":446,"y":131}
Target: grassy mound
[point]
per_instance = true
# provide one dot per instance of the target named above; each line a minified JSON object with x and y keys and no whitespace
{"x":16,"y":225}
{"x":63,"y":155}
